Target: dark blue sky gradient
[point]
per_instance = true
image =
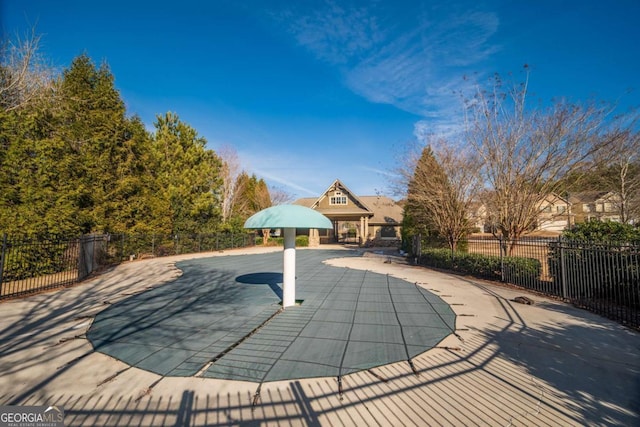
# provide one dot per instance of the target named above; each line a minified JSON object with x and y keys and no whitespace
{"x":311,"y":92}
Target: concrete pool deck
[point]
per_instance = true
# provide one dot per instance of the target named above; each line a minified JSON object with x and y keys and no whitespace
{"x":545,"y":364}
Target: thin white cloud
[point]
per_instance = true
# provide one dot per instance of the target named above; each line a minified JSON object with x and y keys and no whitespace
{"x":414,"y":59}
{"x":302,"y":176}
{"x":336,"y":34}
{"x":381,"y":172}
{"x":283,"y":168}
{"x":287,"y":183}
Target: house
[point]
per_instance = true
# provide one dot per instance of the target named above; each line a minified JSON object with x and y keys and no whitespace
{"x":478,"y":217}
{"x":365,"y":220}
{"x":601,"y":205}
{"x":555,"y":213}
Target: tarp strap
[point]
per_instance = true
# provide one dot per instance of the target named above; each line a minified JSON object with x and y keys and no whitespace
{"x":353,"y":321}
{"x":404,"y":340}
{"x":256,"y":396}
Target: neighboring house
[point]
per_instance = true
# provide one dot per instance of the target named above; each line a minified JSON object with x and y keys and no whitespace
{"x":555,"y":213}
{"x":601,"y":205}
{"x":478,"y":218}
{"x":366,"y":220}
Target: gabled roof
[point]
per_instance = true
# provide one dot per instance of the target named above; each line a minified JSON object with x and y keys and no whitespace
{"x":553,"y":197}
{"x":307,"y":202}
{"x":587,"y":197}
{"x":338,"y":185}
{"x":380,"y":209}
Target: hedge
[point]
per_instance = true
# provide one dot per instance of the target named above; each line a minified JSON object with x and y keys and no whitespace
{"x":519,"y":271}
{"x":301,"y":241}
{"x":605,"y":272}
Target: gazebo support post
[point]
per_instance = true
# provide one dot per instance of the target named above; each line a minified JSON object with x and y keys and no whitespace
{"x":289,"y":268}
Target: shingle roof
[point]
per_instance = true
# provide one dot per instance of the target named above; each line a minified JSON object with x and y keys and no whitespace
{"x":385,"y":210}
{"x":588,"y":196}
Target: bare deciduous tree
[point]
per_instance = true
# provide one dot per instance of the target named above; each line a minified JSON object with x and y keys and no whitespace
{"x":525,"y":152}
{"x":229,"y":173}
{"x":443,"y":189}
{"x":24,"y":74}
{"x":623,"y":177}
{"x":279,"y":196}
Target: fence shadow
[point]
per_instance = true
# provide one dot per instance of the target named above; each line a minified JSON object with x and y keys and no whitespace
{"x":593,"y":361}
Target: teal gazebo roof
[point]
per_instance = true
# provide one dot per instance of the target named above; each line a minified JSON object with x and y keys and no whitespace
{"x":288,"y":216}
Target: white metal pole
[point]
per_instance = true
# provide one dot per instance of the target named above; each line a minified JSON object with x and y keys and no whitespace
{"x":289,"y":273}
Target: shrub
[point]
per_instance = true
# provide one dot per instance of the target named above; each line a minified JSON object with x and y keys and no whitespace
{"x":522,"y":271}
{"x":27,"y":257}
{"x":519,"y":271}
{"x":605,"y":272}
{"x":301,"y":241}
{"x":473,"y":264}
{"x":273,"y":241}
{"x":603,"y":232}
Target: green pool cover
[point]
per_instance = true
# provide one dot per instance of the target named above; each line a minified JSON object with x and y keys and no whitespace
{"x":222,"y":319}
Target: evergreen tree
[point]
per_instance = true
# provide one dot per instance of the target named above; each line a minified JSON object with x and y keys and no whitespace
{"x":252,"y":196}
{"x":33,"y":173}
{"x":416,"y":218}
{"x":187,"y":178}
{"x":92,"y":126}
{"x":441,"y":193}
{"x":71,"y":162}
{"x":133,"y":203}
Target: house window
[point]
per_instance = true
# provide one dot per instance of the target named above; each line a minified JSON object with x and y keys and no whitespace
{"x":561,"y":209}
{"x":338,"y":200}
{"x":547,"y":209}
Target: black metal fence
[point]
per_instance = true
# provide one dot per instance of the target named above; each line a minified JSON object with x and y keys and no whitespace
{"x":33,"y":264}
{"x":603,"y":278}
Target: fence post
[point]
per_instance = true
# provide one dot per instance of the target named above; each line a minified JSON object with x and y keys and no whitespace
{"x":502,"y":251}
{"x":2,"y":258}
{"x":85,"y":258}
{"x":563,"y":270}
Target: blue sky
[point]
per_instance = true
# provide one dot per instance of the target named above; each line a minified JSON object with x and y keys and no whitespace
{"x":307,"y":92}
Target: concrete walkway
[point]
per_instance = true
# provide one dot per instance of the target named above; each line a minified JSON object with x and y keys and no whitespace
{"x":546,"y":364}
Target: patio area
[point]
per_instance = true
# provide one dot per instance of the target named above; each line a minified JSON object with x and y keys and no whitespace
{"x":199,"y":340}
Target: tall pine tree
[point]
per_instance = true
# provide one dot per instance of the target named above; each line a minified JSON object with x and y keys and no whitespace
{"x":187,"y":176}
